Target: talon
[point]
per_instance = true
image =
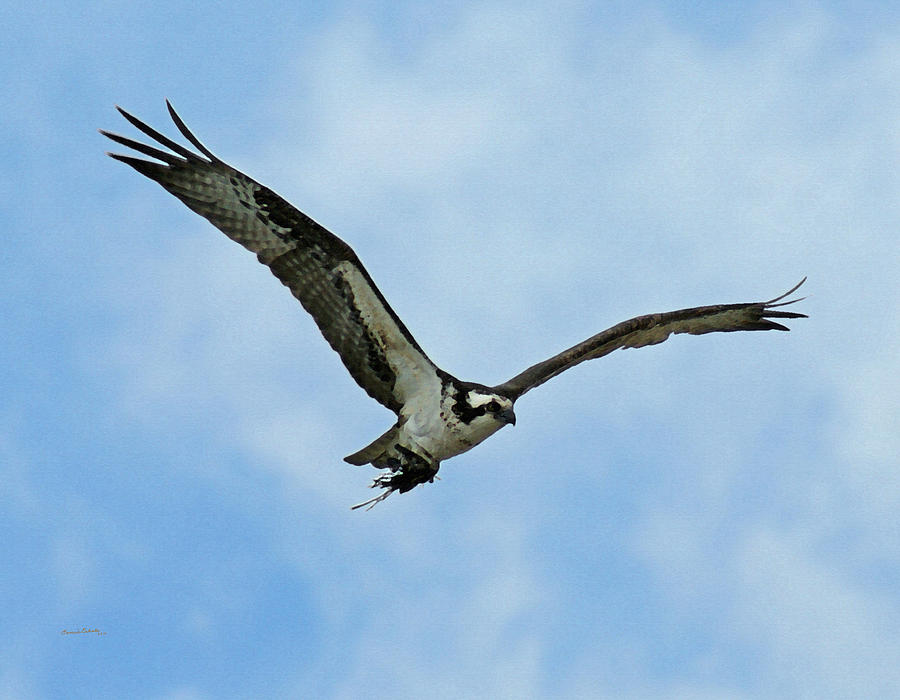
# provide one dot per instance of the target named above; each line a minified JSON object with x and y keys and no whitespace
{"x":405,"y":475}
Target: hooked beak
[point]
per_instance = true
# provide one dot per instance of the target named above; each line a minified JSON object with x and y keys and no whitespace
{"x":508,"y":415}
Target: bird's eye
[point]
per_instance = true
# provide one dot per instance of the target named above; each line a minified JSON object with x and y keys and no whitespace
{"x":493,"y":407}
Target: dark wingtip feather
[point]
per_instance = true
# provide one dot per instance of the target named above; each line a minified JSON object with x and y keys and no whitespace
{"x":182,"y":127}
{"x":144,"y":167}
{"x":769,"y":306}
{"x":143,"y":148}
{"x":784,"y":314}
{"x":158,"y":137}
{"x":771,"y":303}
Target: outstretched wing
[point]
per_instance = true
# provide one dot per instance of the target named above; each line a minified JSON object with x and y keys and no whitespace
{"x":320,"y":269}
{"x":655,"y":328}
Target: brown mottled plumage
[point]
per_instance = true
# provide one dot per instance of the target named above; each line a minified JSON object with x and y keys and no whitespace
{"x":438,"y":415}
{"x":655,"y":328}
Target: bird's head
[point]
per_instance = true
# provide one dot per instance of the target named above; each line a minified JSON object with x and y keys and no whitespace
{"x":481,"y":404}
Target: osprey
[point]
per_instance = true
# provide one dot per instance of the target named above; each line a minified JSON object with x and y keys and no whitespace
{"x":438,"y":415}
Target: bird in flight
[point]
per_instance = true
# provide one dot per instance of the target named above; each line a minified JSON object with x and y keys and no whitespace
{"x":438,"y":415}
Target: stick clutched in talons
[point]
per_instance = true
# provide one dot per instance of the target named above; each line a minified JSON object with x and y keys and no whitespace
{"x":406,"y":475}
{"x":372,"y":501}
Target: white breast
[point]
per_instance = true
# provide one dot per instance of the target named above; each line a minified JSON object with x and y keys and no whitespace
{"x":434,"y":427}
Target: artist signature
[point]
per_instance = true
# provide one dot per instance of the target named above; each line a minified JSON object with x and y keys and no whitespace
{"x":84,"y":630}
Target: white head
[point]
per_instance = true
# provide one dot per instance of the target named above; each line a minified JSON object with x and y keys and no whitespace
{"x":479,"y":406}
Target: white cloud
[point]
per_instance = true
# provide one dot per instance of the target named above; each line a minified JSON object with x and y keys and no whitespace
{"x":824,"y":633}
{"x":520,"y":179}
{"x":455,"y":623}
{"x":74,"y":568}
{"x":17,"y":490}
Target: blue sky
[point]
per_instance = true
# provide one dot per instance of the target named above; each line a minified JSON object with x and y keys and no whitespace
{"x":715,"y":517}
